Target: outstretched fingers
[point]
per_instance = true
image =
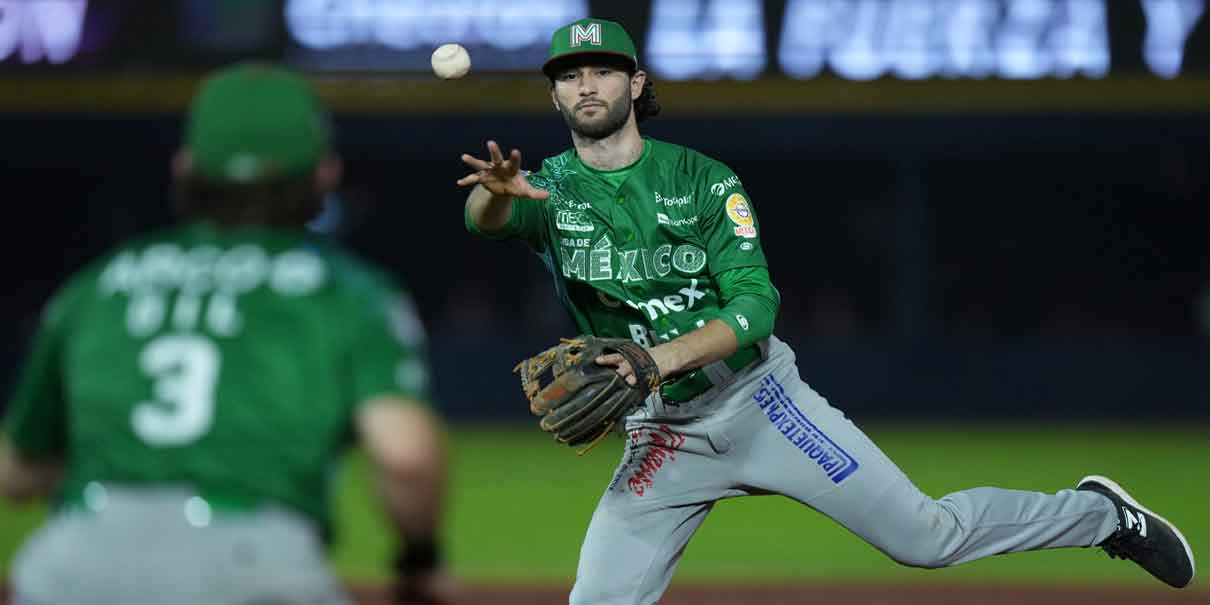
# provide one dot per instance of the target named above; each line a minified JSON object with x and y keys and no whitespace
{"x":498,"y":169}
{"x":493,"y":150}
{"x":474,"y":162}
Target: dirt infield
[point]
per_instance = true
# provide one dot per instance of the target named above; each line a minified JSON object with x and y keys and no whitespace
{"x":809,"y":594}
{"x":830,"y":594}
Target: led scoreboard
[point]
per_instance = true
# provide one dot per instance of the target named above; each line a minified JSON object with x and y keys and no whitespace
{"x":678,"y":39}
{"x":744,"y":39}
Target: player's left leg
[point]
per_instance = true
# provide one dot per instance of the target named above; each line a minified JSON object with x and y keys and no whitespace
{"x":804,"y":448}
{"x":878,"y":502}
{"x":827,"y":462}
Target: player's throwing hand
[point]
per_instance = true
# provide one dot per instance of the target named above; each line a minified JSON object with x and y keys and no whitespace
{"x":500,"y":176}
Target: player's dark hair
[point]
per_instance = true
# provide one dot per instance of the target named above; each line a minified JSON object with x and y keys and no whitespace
{"x":646,"y":106}
{"x":289,"y":202}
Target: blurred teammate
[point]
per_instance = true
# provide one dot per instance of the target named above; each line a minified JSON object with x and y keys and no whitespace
{"x":189,"y":395}
{"x":658,"y":243}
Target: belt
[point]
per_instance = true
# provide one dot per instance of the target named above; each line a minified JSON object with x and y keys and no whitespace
{"x":699,"y":381}
{"x":95,"y":497}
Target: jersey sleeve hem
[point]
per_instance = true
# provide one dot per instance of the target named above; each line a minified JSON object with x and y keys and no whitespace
{"x":506,"y":231}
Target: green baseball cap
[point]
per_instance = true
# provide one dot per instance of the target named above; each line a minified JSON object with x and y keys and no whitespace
{"x":589,"y":36}
{"x":256,"y":122}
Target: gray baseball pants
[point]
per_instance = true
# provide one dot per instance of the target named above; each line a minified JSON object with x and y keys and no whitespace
{"x":141,"y":548}
{"x":767,"y":432}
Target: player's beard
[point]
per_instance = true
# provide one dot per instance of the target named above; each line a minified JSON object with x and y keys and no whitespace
{"x":617,"y":114}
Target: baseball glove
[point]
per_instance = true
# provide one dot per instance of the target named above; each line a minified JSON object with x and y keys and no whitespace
{"x":578,"y":399}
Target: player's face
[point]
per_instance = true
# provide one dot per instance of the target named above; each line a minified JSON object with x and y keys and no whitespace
{"x":595,"y":100}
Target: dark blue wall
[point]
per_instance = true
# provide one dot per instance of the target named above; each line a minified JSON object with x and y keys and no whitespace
{"x":975,"y":266}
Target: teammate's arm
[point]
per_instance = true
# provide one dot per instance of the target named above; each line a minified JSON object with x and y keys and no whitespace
{"x":35,"y":425}
{"x":497,"y":181}
{"x":405,"y":442}
{"x":402,"y":435}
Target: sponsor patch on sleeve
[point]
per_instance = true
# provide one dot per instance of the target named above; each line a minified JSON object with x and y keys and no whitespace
{"x":740,"y":213}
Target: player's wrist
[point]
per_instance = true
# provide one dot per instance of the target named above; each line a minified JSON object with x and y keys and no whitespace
{"x":667,"y":359}
{"x":420,"y":555}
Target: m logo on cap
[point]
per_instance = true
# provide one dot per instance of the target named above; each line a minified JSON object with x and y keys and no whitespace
{"x":590,"y":34}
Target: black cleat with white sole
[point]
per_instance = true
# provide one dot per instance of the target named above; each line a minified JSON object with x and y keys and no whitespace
{"x":1143,"y":536}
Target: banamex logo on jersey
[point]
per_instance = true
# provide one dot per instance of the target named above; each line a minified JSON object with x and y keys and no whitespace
{"x":740,"y":213}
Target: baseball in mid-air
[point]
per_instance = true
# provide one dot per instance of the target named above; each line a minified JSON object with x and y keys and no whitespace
{"x":451,"y":61}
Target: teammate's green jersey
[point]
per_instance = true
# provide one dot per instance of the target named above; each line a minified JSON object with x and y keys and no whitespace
{"x":231,"y":361}
{"x":637,"y":257}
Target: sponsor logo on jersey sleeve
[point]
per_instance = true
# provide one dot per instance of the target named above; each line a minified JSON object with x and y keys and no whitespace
{"x":740,"y":213}
{"x":722,"y":186}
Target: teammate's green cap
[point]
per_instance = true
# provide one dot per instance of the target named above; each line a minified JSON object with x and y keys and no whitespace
{"x":255,"y":122}
{"x":590,"y":36}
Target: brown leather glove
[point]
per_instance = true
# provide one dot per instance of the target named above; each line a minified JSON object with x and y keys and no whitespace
{"x":579,"y":400}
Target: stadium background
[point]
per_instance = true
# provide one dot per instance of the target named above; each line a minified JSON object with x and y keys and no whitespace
{"x":989,"y":221}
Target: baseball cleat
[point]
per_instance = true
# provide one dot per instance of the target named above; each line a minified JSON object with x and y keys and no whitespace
{"x":1144,"y":537}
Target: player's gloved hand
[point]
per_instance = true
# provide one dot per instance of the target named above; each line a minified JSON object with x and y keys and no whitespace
{"x":500,"y":176}
{"x":583,"y":387}
{"x":420,"y":576}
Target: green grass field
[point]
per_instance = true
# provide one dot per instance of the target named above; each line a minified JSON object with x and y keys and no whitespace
{"x":520,"y":505}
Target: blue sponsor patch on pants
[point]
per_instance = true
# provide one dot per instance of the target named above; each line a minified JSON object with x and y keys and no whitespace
{"x":780,"y":409}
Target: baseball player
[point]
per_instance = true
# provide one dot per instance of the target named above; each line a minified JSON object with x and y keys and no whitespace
{"x":657,"y":243}
{"x":189,"y":394}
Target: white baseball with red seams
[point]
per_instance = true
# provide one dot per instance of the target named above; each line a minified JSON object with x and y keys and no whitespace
{"x":451,"y":61}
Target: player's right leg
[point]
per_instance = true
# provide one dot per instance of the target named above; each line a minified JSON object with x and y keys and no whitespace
{"x":665,"y":486}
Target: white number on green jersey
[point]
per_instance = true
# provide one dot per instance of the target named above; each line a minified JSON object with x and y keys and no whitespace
{"x":184,"y":368}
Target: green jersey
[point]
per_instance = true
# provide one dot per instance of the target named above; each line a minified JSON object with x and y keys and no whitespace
{"x":231,"y":361}
{"x":637,"y":253}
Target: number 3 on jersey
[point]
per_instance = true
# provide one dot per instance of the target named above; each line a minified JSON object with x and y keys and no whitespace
{"x":185,"y":369}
